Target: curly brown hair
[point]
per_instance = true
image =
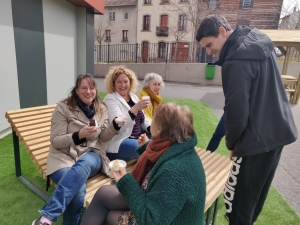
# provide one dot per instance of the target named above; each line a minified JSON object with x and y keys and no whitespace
{"x":71,"y":101}
{"x":114,"y":73}
{"x":183,"y":127}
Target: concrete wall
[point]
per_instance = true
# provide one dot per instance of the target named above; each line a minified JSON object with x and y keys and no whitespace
{"x":9,"y":91}
{"x":184,"y":73}
{"x":60,"y":48}
{"x":41,"y":41}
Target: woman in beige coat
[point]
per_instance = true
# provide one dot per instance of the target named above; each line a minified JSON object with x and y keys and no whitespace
{"x":76,"y":151}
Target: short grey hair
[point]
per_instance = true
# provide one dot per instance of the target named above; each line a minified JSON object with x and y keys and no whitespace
{"x":153,"y":76}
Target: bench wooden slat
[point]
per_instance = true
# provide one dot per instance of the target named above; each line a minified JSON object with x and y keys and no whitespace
{"x":32,"y":122}
{"x":38,"y":146}
{"x":36,"y":136}
{"x":36,"y":141}
{"x":39,"y":151}
{"x":34,"y":132}
{"x":11,"y":113}
{"x":29,"y":128}
{"x":16,"y":119}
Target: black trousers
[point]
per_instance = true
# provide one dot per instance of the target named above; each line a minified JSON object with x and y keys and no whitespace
{"x":247,"y":186}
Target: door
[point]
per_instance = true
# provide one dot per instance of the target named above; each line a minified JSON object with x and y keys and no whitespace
{"x":145,"y":47}
{"x":181,"y":53}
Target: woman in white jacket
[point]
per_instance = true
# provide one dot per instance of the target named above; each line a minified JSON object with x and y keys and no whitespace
{"x":120,"y":100}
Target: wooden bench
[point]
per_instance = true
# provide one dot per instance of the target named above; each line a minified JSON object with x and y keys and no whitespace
{"x":32,"y":127}
{"x":292,"y":87}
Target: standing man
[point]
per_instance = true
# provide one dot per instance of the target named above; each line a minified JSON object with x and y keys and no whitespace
{"x":259,"y":121}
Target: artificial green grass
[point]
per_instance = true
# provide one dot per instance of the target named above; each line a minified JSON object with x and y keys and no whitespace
{"x":19,"y":204}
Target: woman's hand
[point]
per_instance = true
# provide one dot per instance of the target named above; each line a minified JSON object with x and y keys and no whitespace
{"x":87,"y":131}
{"x":141,"y":104}
{"x":142,"y":139}
{"x":119,"y":174}
{"x":122,"y":122}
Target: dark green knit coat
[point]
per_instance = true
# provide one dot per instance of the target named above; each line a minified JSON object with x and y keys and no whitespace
{"x":175,"y":192}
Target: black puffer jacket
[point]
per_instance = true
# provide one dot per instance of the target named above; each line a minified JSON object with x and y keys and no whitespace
{"x":258,"y":114}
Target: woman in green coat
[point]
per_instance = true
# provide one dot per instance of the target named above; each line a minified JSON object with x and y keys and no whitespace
{"x":166,"y":186}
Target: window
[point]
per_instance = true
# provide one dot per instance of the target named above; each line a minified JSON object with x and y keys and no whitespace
{"x":107,"y":35}
{"x":184,"y":1}
{"x":162,"y":49}
{"x":125,"y":38}
{"x":146,"y":23}
{"x":182,"y":22}
{"x":147,"y":2}
{"x":125,"y":15}
{"x":111,"y":17}
{"x":246,"y":4}
{"x":164,"y":1}
{"x":214,"y":4}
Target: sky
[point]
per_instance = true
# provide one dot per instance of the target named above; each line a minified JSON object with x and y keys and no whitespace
{"x":288,"y":6}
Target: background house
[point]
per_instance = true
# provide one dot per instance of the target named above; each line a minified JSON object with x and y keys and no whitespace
{"x":44,"y":46}
{"x":118,"y":24}
{"x":165,"y":29}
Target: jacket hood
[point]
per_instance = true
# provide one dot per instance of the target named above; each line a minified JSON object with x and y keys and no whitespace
{"x":246,"y":44}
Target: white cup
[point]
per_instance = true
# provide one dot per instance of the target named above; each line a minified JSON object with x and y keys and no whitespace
{"x":121,"y":120}
{"x":146,"y":97}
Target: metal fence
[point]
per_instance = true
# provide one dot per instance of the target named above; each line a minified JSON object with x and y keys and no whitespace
{"x":187,"y":52}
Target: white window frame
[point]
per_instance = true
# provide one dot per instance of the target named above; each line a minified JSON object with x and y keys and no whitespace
{"x":182,"y":22}
{"x":246,"y":4}
{"x":125,"y":35}
{"x":126,"y":13}
{"x":111,"y":16}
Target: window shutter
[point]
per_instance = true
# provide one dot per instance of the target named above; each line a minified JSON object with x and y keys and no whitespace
{"x":241,"y":4}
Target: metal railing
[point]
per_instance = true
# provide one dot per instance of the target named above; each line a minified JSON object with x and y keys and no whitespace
{"x":163,"y":52}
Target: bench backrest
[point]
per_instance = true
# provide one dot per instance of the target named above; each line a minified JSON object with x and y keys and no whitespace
{"x":32,"y":126}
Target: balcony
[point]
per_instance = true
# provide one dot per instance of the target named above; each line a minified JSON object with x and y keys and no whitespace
{"x":162,"y":31}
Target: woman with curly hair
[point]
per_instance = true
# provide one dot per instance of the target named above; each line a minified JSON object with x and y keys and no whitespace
{"x":79,"y":131}
{"x":152,"y":84}
{"x":121,"y":101}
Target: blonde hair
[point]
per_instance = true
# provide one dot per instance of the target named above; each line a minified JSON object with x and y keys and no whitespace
{"x":165,"y":115}
{"x":114,"y":73}
{"x":71,"y":101}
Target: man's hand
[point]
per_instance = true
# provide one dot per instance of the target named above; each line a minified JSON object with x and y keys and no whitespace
{"x":231,"y":155}
{"x":119,"y":174}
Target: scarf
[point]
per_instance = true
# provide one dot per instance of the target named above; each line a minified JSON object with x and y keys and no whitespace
{"x":153,"y":151}
{"x":89,"y":112}
{"x":155,"y":99}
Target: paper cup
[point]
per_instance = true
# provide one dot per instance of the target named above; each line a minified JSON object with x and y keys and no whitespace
{"x":146,"y":97}
{"x":122,"y":163}
{"x":121,"y":119}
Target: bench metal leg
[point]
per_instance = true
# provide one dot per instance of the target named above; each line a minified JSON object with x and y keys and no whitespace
{"x":17,"y":154}
{"x":215,"y":211}
{"x":19,"y":171}
{"x":208,"y":213}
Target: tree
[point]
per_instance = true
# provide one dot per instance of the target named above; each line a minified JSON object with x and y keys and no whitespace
{"x":290,"y":15}
{"x":195,"y":11}
{"x":290,"y":19}
{"x":101,"y":25}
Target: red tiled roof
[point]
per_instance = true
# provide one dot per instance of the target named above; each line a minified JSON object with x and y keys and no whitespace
{"x":119,"y":2}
